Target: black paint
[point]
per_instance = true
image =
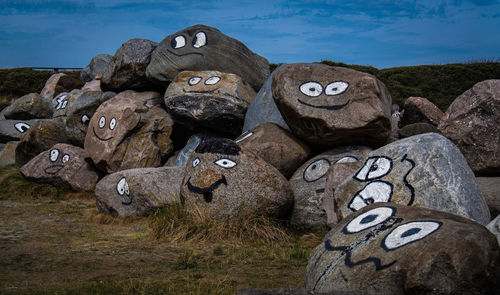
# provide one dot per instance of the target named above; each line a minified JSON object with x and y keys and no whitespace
{"x":208,"y":191}
{"x":330,"y":108}
{"x":100,"y":138}
{"x":408,"y":185}
{"x":216,"y":145}
{"x":54,"y":169}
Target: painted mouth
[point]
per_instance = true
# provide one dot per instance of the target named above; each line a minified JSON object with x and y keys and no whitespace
{"x":330,"y":108}
{"x":190,"y":53}
{"x":128,"y":202}
{"x":206,"y":192}
{"x":100,"y":138}
{"x":53,"y":169}
{"x":204,"y":91}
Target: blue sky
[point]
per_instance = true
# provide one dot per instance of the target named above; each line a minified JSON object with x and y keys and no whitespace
{"x":379,"y":33}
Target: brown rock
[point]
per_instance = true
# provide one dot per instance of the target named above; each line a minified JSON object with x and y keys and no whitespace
{"x":59,"y":83}
{"x":416,"y":129}
{"x":421,"y":110}
{"x":30,"y":106}
{"x":8,"y":154}
{"x":94,"y":85}
{"x":490,"y":190}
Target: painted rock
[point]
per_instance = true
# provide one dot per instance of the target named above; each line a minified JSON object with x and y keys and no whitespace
{"x":421,"y":110}
{"x":416,"y":129}
{"x":394,"y":249}
{"x":308,"y":185}
{"x":276,"y":146}
{"x":127,"y":68}
{"x":489,"y":188}
{"x":209,"y":98}
{"x":225,"y":180}
{"x":263,"y":108}
{"x":185,"y":153}
{"x":199,"y":48}
{"x":97,"y":66}
{"x":333,"y":105}
{"x":63,"y":164}
{"x":494,"y":227}
{"x":138,"y":191}
{"x":472,"y":122}
{"x":8,"y":154}
{"x":425,"y":170}
{"x":59,"y":83}
{"x":13,"y":130}
{"x":127,"y":132}
{"x":30,"y":106}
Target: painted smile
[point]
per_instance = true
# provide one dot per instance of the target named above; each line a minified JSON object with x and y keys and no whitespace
{"x":206,"y":192}
{"x":53,"y":169}
{"x":203,"y":91}
{"x":128,"y":200}
{"x":100,"y":138}
{"x":190,"y":53}
{"x":331,"y":108}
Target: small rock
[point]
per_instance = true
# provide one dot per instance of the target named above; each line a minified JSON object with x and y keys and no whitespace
{"x":421,"y":110}
{"x":97,"y":66}
{"x":416,"y":129}
{"x":494,"y":227}
{"x":185,"y":153}
{"x":59,"y":83}
{"x":30,"y":106}
{"x":94,"y":85}
{"x":490,"y":188}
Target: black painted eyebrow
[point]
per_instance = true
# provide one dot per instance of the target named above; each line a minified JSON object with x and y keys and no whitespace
{"x":217,"y":145}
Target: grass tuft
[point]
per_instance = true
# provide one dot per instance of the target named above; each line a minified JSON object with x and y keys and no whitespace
{"x":93,"y":216}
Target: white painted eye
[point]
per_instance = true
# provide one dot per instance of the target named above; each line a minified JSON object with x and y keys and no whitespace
{"x":200,"y":39}
{"x":178,"y":42}
{"x":409,"y":233}
{"x":54,"y":154}
{"x":61,"y":101}
{"x":316,"y":170}
{"x":244,"y":136}
{"x":21,"y":127}
{"x":369,"y":219}
{"x":336,"y":88}
{"x":85,"y":119}
{"x":375,"y":167}
{"x":225,"y":163}
{"x":348,"y":159}
{"x":196,"y":162}
{"x":373,"y":192}
{"x":112,"y":124}
{"x":65,"y":158}
{"x":194,"y":80}
{"x":311,"y":89}
{"x":212,"y":80}
{"x":102,"y":122}
{"x":122,"y":187}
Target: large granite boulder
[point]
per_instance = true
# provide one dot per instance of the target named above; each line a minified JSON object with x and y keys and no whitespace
{"x":129,"y":131}
{"x":276,"y":146}
{"x":127,"y":68}
{"x":14,"y":130}
{"x":199,"y":48}
{"x":30,"y":106}
{"x":63,"y":164}
{"x":8,"y":154}
{"x":309,"y":181}
{"x":97,"y":66}
{"x":424,"y":170}
{"x":225,"y":180}
{"x":209,"y":98}
{"x":394,"y":249}
{"x":472,"y":122}
{"x":138,"y":191}
{"x":59,"y":83}
{"x":421,"y":110}
{"x":333,"y":105}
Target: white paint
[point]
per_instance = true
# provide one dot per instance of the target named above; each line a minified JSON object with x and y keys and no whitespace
{"x":194,"y":80}
{"x":212,"y":80}
{"x":225,"y":163}
{"x":122,"y":187}
{"x":374,"y":167}
{"x":244,"y":136}
{"x":180,"y":42}
{"x":65,"y":158}
{"x":102,"y":122}
{"x":54,"y":154}
{"x":85,"y":119}
{"x":196,"y":162}
{"x":112,"y":124}
{"x":415,"y":231}
{"x":316,"y":170}
{"x":21,"y":127}
{"x":61,"y":102}
{"x":312,"y":89}
{"x":347,"y":159}
{"x":336,"y":88}
{"x":200,"y":40}
{"x":369,"y":219}
{"x":373,"y":192}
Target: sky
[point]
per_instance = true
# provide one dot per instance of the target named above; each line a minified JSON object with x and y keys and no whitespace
{"x":68,"y":33}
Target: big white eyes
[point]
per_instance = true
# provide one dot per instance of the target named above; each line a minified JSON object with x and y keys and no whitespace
{"x":311,"y":89}
{"x":199,"y":40}
{"x":102,"y":123}
{"x":225,"y":163}
{"x":409,"y":233}
{"x":196,"y":162}
{"x":178,"y":42}
{"x":65,"y":158}
{"x":316,"y":170}
{"x":21,"y":127}
{"x":369,"y":219}
{"x":194,"y":80}
{"x":210,"y":81}
{"x":54,"y":154}
{"x":122,"y":187}
{"x":375,"y":167}
{"x":336,"y":88}
{"x":85,"y":119}
{"x":112,"y":123}
{"x":314,"y":89}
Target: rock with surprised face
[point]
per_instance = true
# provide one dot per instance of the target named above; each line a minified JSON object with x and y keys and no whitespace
{"x":333,"y":105}
{"x":225,"y":180}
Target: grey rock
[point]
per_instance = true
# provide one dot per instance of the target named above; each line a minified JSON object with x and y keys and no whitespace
{"x":97,"y":66}
{"x":490,"y":188}
{"x":13,"y":130}
{"x":30,"y":106}
{"x":8,"y":154}
{"x":185,"y":153}
{"x":494,"y":227}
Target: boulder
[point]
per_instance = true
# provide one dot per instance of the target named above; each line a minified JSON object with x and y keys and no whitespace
{"x":276,"y":146}
{"x":13,"y":130}
{"x":333,"y":106}
{"x":308,"y":185}
{"x":127,"y":68}
{"x":416,"y":129}
{"x":64,"y":165}
{"x":394,"y":249}
{"x":225,"y":180}
{"x":200,"y":48}
{"x":8,"y":154}
{"x":97,"y":66}
{"x":490,"y":188}
{"x":425,"y":170}
{"x":59,"y":83}
{"x":185,"y":153}
{"x":129,"y":131}
{"x":138,"y":191}
{"x":30,"y":106}
{"x":494,"y":227}
{"x":421,"y":110}
{"x":472,"y":122}
{"x":94,"y":85}
{"x":210,"y":99}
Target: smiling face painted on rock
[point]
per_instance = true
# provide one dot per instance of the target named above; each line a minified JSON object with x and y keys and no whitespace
{"x":123,"y":190}
{"x":316,"y":94}
{"x":188,"y":42}
{"x":199,"y":83}
{"x":58,"y":160}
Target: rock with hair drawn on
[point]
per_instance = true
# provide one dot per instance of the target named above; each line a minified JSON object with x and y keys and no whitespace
{"x":137,"y":192}
{"x":309,"y":181}
{"x":333,"y":106}
{"x":225,"y":180}
{"x":394,"y":249}
{"x":425,"y":170}
{"x":276,"y":146}
{"x":97,"y":66}
{"x":200,"y":48}
{"x":59,"y":83}
{"x":30,"y":106}
{"x":129,"y":131}
{"x":64,"y":165}
{"x":14,"y":130}
{"x":210,"y":99}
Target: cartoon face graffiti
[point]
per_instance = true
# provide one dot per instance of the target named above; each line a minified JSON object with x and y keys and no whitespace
{"x":58,"y":161}
{"x":123,"y":189}
{"x":60,"y":102}
{"x":202,"y":83}
{"x":313,"y":89}
{"x":22,"y":127}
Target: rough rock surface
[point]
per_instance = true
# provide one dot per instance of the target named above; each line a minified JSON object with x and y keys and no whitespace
{"x":490,"y":188}
{"x":416,"y":129}
{"x":425,"y":170}
{"x":97,"y":66}
{"x":472,"y":122}
{"x":94,"y":85}
{"x":276,"y":146}
{"x":494,"y":227}
{"x":185,"y":153}
{"x":59,"y":83}
{"x":138,"y":191}
{"x":14,"y":130}
{"x":8,"y":154}
{"x":395,"y":249}
{"x":30,"y":106}
{"x":333,"y":105}
{"x":199,"y":48}
{"x":421,"y":110}
{"x":64,"y":165}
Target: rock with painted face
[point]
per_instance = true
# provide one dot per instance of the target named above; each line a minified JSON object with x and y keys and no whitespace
{"x":14,"y":130}
{"x":137,"y":192}
{"x":30,"y":106}
{"x":225,"y":180}
{"x":127,"y":68}
{"x":276,"y":146}
{"x":97,"y":66}
{"x":472,"y":122}
{"x":425,"y":170}
{"x":63,"y":164}
{"x":59,"y":83}
{"x":129,"y":131}
{"x":199,"y":48}
{"x":333,"y":105}
{"x":394,"y":249}
{"x":210,"y":99}
{"x":308,"y":185}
